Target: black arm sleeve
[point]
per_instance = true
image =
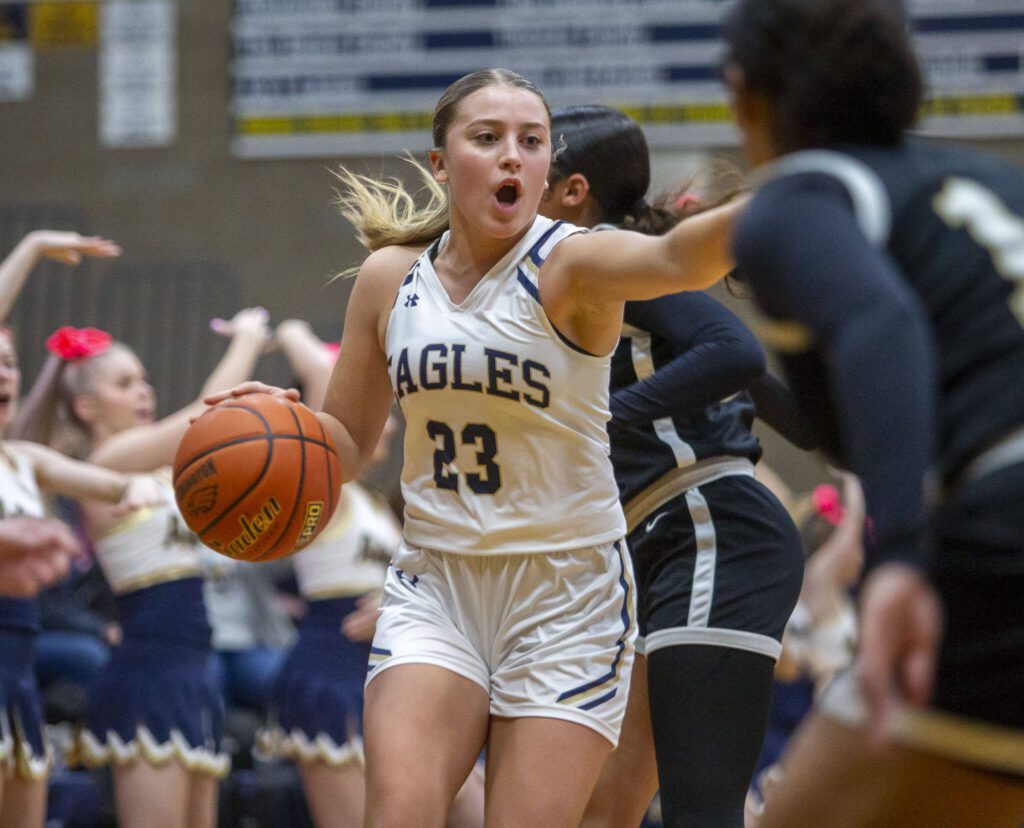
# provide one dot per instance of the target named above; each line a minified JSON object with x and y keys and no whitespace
{"x":715,"y":356}
{"x":778,"y":407}
{"x":813,"y":269}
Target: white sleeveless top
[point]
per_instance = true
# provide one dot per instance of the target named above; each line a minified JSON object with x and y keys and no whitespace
{"x":19,"y":492}
{"x":505,"y":444}
{"x":351,"y":555}
{"x":150,"y":546}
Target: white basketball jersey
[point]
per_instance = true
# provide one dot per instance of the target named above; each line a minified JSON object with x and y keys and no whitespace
{"x":351,"y":555}
{"x":505,"y":442}
{"x":19,"y":492}
{"x":150,"y":546}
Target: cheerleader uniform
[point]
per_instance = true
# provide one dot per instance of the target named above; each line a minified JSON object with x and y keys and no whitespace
{"x":154,"y":699}
{"x":24,"y":751}
{"x":317,"y":701}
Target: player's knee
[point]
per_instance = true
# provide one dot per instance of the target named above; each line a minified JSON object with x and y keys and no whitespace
{"x":396,"y":805}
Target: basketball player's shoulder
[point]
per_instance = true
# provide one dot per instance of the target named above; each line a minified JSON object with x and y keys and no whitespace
{"x":383,"y":271}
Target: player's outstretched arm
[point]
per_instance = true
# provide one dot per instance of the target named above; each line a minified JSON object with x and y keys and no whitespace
{"x":147,"y":447}
{"x":46,"y":244}
{"x":603,"y":268}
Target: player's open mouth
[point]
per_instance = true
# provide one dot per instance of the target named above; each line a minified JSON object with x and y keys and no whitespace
{"x":508,"y":194}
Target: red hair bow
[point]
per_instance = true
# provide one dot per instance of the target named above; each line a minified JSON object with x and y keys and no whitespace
{"x":827,"y":503}
{"x":78,"y":343}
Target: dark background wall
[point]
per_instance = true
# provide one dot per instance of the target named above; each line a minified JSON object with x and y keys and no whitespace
{"x":203,"y":233}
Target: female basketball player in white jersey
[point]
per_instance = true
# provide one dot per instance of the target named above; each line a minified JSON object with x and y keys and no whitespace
{"x":154,"y":714}
{"x":507,"y":612}
{"x":317,"y":703}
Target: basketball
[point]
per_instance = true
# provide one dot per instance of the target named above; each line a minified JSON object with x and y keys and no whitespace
{"x":256,"y":477}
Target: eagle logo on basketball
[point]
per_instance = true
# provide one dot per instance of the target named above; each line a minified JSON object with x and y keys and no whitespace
{"x":202,"y":500}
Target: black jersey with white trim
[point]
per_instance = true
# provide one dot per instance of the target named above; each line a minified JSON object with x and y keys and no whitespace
{"x":713,"y":356}
{"x":892,"y":279}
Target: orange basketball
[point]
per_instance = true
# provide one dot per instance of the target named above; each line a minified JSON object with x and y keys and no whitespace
{"x":257,"y":477}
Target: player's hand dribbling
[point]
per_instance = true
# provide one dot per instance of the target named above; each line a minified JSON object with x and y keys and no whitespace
{"x":251,"y":387}
{"x":900,"y":628}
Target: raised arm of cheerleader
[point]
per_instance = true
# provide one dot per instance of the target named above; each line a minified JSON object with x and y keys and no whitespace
{"x":307,"y":357}
{"x":46,"y":244}
{"x":147,"y":447}
{"x":59,"y":474}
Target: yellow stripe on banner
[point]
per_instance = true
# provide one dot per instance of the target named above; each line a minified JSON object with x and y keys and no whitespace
{"x":324,"y":124}
{"x":704,"y":113}
{"x":972,"y":105}
{"x":712,"y":113}
{"x":63,"y":23}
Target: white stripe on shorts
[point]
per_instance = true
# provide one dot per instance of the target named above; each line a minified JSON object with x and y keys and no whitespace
{"x":713,"y":637}
{"x":703,"y":591}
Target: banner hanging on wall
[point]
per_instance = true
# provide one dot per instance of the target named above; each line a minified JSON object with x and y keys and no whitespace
{"x":138,"y":73}
{"x":360,"y":77}
{"x":17,"y":60}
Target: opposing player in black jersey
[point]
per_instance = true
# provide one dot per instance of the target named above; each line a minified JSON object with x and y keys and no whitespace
{"x":717,"y":559}
{"x":892,"y":273}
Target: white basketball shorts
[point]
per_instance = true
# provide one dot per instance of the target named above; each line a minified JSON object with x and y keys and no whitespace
{"x":544,"y":634}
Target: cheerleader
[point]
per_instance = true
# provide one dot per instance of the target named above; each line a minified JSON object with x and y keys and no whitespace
{"x":25,"y":469}
{"x":155,"y":714}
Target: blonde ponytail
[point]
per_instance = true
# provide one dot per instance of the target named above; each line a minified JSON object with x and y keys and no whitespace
{"x":385,"y":213}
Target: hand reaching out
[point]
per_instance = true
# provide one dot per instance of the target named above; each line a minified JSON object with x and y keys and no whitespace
{"x":142,"y":490}
{"x":361,"y":623}
{"x":33,"y":555}
{"x":248,"y":320}
{"x":68,"y":248}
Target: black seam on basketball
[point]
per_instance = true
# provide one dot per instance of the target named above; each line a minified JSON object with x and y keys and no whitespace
{"x":298,"y":492}
{"x":245,"y":494}
{"x":268,"y":437}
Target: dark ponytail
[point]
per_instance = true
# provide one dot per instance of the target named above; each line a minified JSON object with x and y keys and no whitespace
{"x":609,"y":148}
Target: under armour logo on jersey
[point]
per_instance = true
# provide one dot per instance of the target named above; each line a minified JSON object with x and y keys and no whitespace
{"x":411,"y":300}
{"x":415,"y":579}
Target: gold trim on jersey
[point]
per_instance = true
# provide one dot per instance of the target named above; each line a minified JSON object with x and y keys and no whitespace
{"x":87,"y":750}
{"x":17,"y":758}
{"x":676,"y":481}
{"x":128,"y":522}
{"x":176,"y":573}
{"x":296,"y":746}
{"x":960,"y":739}
{"x":787,"y":336}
